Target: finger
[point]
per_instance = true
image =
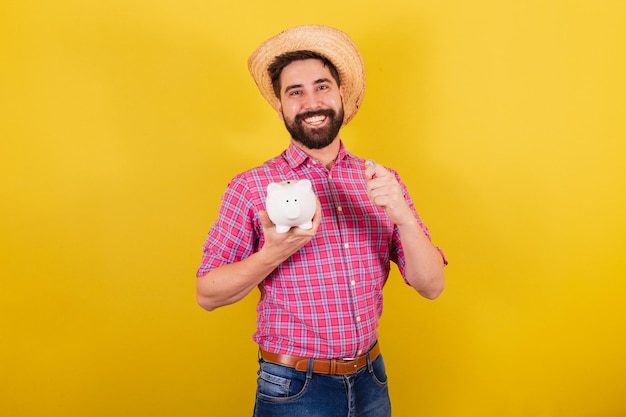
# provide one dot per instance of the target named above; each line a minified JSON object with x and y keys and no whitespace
{"x":370,"y":169}
{"x":380,"y":171}
{"x":265,"y":219}
{"x":374,"y":170}
{"x":317,"y":217}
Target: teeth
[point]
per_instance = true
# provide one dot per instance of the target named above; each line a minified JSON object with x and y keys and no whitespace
{"x":315,"y":119}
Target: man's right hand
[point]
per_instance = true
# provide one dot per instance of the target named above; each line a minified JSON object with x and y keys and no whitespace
{"x":283,"y":245}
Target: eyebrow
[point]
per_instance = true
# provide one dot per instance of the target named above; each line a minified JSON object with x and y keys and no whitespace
{"x":316,"y":82}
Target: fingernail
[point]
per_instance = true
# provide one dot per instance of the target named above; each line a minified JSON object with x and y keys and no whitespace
{"x":369,"y":163}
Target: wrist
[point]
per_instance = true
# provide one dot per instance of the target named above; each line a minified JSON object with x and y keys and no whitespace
{"x":408,"y":221}
{"x":269,"y":257}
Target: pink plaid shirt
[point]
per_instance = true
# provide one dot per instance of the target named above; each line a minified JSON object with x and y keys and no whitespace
{"x":325,"y":300}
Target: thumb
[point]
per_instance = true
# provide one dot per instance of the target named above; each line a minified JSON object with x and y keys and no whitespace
{"x":265,"y":219}
{"x":374,"y":170}
{"x":370,"y":169}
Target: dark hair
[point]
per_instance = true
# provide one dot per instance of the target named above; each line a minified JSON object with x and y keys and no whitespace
{"x":281,"y":61}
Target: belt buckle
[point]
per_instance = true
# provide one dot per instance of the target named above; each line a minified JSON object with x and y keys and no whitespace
{"x":355,"y":362}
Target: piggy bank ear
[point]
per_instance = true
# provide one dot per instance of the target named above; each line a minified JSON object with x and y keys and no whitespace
{"x":304,"y":185}
{"x":273,"y":187}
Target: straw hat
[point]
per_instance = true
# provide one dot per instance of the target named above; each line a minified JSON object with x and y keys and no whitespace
{"x":331,"y":43}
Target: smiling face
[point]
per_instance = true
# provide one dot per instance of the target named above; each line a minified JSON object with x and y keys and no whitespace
{"x":310,"y":103}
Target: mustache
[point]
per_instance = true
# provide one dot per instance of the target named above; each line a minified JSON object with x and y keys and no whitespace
{"x":324,"y":112}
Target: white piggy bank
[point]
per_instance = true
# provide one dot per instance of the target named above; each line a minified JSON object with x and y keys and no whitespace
{"x":291,"y":203}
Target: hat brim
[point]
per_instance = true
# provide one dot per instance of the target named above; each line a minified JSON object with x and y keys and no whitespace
{"x":331,"y":43}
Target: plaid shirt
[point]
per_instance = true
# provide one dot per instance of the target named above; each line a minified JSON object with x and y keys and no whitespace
{"x":325,"y":300}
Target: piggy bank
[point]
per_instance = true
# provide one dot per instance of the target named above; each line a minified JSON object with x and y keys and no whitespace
{"x":291,"y":203}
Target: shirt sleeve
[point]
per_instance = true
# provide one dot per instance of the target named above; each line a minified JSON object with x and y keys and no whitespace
{"x":397,"y":253}
{"x":234,"y":235}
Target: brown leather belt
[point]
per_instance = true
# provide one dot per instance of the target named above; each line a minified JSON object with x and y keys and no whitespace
{"x":322,"y":366}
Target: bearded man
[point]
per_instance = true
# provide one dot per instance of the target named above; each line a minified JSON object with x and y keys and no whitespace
{"x":320,"y":288}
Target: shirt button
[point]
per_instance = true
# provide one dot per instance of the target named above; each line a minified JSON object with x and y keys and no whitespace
{"x":339,"y":208}
{"x":346,"y":245}
{"x":353,"y":283}
{"x":359,"y":352}
{"x":358,"y":319}
{"x":330,"y":176}
{"x":308,"y":165}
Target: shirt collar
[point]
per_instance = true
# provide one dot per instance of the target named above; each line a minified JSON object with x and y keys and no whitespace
{"x":296,"y":156}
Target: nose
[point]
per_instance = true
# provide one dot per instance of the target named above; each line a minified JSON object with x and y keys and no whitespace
{"x":311,"y":101}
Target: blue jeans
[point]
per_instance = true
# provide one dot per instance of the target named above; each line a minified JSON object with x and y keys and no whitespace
{"x":285,"y":392}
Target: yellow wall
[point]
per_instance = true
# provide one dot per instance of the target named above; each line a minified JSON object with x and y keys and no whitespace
{"x":123,"y":120}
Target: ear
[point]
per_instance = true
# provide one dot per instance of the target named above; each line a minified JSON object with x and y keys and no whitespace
{"x":279,"y":109}
{"x":272,"y":188}
{"x":304,"y":184}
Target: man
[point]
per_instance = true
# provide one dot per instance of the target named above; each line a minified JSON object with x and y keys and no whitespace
{"x":321,"y":288}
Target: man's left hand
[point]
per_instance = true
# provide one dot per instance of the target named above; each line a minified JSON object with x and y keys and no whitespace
{"x":384,"y":191}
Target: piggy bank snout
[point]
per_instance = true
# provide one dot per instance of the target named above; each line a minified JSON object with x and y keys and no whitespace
{"x":292,"y":211}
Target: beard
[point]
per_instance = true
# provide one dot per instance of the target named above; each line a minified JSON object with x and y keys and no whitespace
{"x":315,"y":138}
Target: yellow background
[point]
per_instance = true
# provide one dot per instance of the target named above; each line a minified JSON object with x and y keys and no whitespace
{"x":122,"y":122}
